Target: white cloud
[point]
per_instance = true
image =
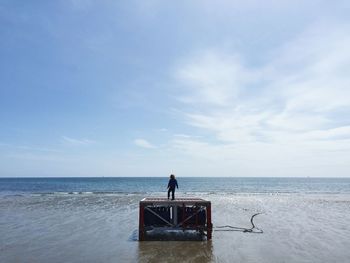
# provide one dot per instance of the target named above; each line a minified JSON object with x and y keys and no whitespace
{"x":212,"y":78}
{"x":144,"y":143}
{"x":81,"y":4}
{"x":296,"y":91}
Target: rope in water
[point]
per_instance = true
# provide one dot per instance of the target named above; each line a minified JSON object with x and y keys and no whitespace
{"x":253,"y":229}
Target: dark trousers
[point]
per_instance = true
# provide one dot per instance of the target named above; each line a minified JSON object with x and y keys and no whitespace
{"x":172,"y":190}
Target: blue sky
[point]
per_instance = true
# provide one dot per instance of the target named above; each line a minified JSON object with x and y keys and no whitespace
{"x":197,"y":88}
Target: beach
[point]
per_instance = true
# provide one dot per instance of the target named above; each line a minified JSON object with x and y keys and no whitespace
{"x":246,"y":104}
{"x":91,"y":227}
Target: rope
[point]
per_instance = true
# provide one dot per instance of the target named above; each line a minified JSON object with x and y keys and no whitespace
{"x":253,"y":229}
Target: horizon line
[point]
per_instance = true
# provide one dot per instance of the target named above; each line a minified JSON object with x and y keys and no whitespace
{"x":58,"y":177}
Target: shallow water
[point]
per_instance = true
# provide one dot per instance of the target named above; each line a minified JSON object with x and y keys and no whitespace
{"x":103,"y":228}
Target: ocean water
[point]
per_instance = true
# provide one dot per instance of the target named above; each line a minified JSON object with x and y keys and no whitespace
{"x":187,"y":184}
{"x":96,"y":220}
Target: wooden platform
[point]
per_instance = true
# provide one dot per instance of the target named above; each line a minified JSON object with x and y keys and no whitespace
{"x":182,"y":214}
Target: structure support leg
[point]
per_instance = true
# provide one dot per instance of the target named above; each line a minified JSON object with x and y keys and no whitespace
{"x":142,"y":223}
{"x":209,"y":224}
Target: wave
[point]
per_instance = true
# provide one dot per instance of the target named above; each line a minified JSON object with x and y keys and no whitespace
{"x":163,"y":194}
{"x":87,"y":193}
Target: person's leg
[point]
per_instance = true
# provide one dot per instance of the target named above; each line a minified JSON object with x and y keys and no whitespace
{"x":169,"y":192}
{"x":173,"y":194}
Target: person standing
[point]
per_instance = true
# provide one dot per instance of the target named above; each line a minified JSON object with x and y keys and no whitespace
{"x":171,"y":186}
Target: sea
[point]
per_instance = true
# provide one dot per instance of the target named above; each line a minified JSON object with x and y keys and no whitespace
{"x":96,"y":220}
{"x":144,"y":185}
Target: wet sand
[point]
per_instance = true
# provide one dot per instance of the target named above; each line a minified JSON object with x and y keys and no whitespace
{"x":103,"y":228}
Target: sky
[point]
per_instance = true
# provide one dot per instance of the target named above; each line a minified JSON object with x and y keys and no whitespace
{"x":194,"y":88}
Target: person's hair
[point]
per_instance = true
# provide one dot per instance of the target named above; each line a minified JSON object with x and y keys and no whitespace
{"x":172,"y":176}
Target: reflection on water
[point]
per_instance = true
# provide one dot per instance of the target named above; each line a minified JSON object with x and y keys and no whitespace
{"x":175,"y":251}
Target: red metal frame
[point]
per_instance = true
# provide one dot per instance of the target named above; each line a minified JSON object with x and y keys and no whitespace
{"x":178,"y":202}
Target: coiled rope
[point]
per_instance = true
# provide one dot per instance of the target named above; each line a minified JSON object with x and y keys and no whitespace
{"x":253,"y":229}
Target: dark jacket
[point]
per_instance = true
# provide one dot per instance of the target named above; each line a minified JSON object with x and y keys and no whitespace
{"x":172,"y":183}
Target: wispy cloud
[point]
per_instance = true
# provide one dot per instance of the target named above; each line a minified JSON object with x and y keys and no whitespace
{"x":144,"y":144}
{"x":28,"y":148}
{"x":37,"y":157}
{"x":291,"y":111}
{"x":74,"y":141}
{"x":297,"y":91}
{"x":213,"y":78}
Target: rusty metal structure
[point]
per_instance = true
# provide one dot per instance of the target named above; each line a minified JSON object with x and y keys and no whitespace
{"x":182,"y":215}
